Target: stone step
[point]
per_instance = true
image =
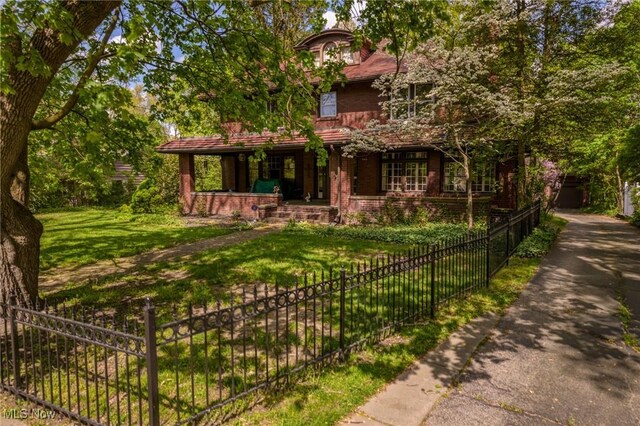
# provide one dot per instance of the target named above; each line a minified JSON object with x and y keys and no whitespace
{"x":303,"y":208}
{"x":296,"y":215}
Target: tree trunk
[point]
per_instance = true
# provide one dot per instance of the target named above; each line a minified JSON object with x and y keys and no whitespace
{"x":20,"y":231}
{"x":467,"y":175}
{"x":521,"y":76}
{"x":521,"y":196}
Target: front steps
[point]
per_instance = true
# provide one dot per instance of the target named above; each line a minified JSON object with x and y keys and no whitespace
{"x":321,"y":214}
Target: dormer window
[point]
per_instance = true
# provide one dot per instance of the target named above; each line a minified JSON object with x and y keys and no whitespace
{"x":330,"y":53}
{"x":347,"y":55}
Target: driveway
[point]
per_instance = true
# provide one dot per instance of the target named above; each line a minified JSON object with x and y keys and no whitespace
{"x":557,"y":356}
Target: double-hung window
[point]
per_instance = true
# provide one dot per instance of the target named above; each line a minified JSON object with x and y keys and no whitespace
{"x":404,"y":171}
{"x":482,"y":177}
{"x":411,"y":102}
{"x":328,"y":104}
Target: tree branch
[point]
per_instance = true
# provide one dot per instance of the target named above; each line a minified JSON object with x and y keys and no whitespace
{"x":98,"y":55}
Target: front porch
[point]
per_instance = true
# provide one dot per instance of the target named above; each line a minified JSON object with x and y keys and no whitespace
{"x":287,"y":183}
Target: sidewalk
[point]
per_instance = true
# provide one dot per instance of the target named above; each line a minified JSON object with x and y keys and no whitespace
{"x":556,"y":357}
{"x":408,"y":400}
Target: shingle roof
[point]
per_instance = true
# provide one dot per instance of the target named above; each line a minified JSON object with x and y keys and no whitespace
{"x":379,"y":63}
{"x":248,"y":141}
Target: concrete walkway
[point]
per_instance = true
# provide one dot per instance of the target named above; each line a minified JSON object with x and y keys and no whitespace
{"x":53,"y":279}
{"x":556,"y":357}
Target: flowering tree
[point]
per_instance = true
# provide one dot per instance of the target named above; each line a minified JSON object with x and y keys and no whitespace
{"x":447,"y":100}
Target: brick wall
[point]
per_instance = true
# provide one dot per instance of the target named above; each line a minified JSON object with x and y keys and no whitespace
{"x":439,"y":208}
{"x":226,"y":203}
{"x":308,"y":173}
{"x":358,"y":103}
{"x":434,"y":173}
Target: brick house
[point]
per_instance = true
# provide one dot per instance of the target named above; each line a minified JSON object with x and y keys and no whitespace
{"x":407,"y":176}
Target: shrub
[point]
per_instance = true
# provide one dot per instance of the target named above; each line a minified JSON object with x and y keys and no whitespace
{"x":201,"y":206}
{"x":236,"y":215}
{"x":362,"y":218}
{"x":125,"y":209}
{"x":635,"y":217}
{"x":146,"y":197}
{"x":539,"y":242}
{"x":420,"y":216}
{"x":389,"y":234}
{"x":391,"y":214}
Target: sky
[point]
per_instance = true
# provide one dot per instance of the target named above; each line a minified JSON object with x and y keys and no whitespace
{"x":330,"y":16}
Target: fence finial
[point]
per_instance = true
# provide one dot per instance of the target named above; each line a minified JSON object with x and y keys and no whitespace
{"x":147,"y":303}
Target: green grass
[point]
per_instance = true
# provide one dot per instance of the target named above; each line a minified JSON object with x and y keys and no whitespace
{"x":273,"y":258}
{"x":321,"y":397}
{"x":80,"y":236}
{"x":326,"y":397}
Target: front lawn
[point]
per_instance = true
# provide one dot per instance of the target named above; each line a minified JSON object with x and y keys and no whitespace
{"x":80,"y":236}
{"x":275,"y":258}
{"x":320,"y":397}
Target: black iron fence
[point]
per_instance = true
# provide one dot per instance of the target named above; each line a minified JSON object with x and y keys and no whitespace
{"x":99,"y":370}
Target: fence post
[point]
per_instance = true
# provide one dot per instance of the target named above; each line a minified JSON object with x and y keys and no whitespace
{"x":433,"y":281}
{"x":13,"y":326}
{"x":508,"y":239}
{"x":152,"y":362}
{"x":343,"y":289}
{"x":488,"y":254}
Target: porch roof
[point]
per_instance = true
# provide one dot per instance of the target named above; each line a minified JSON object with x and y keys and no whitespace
{"x":240,"y":142}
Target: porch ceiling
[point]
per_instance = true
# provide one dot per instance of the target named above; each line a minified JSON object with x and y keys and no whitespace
{"x":248,"y":142}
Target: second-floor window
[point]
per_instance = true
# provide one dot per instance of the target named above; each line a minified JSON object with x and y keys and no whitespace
{"x":416,"y":99}
{"x":328,"y":105}
{"x":404,"y":171}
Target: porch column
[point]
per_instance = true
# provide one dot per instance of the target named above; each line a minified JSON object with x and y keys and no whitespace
{"x":308,"y":178}
{"x":434,"y":168}
{"x":341,"y":169}
{"x":507,"y":176}
{"x":187,"y":180}
{"x":229,"y":172}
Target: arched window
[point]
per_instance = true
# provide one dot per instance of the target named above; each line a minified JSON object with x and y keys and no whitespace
{"x":330,"y":52}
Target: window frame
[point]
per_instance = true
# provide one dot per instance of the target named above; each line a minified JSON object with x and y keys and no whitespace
{"x":487,"y":178}
{"x":400,"y":160}
{"x":413,"y":105}
{"x":335,"y":105}
{"x":347,"y":48}
{"x":325,"y":49}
